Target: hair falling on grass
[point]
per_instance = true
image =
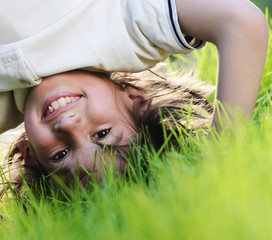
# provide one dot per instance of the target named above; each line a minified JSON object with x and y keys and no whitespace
{"x":164,"y":107}
{"x":73,"y":116}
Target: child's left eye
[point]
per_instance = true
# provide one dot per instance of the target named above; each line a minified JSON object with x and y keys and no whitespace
{"x":61,"y":154}
{"x":103,"y":133}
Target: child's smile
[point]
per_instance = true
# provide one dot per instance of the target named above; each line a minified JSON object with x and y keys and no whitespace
{"x":69,"y":115}
{"x":58,"y":104}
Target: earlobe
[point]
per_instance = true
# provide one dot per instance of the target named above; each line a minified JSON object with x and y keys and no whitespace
{"x":25,"y":150}
{"x":145,"y":107}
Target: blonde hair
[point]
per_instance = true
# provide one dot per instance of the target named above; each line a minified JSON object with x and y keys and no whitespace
{"x":176,"y":101}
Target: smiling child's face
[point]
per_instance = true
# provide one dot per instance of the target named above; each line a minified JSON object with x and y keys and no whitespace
{"x":70,"y":114}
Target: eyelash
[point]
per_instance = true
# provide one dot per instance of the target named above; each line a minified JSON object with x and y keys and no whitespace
{"x":104,"y":132}
{"x":64,"y":153}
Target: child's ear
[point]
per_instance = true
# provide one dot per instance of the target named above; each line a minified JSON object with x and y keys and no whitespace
{"x":138,"y":98}
{"x":134,"y":93}
{"x":26,"y":152}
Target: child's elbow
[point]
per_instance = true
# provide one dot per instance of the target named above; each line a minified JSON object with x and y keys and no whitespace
{"x":255,"y":23}
{"x":248,"y":26}
{"x":259,"y":27}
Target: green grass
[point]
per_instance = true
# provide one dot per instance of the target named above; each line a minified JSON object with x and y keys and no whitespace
{"x":263,"y":4}
{"x":219,"y":190}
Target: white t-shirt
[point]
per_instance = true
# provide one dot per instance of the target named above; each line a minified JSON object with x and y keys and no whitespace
{"x":44,"y":37}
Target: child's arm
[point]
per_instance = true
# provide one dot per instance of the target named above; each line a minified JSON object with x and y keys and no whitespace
{"x":240,"y":32}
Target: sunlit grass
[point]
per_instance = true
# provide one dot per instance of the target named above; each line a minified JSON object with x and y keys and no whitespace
{"x":218,"y":190}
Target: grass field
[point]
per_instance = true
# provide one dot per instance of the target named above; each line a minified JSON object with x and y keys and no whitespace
{"x":262,"y":4}
{"x":219,"y":190}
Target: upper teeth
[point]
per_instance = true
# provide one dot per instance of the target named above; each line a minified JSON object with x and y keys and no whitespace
{"x":60,"y":102}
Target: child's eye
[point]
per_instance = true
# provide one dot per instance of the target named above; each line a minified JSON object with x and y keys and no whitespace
{"x":61,"y":154}
{"x":103,"y":133}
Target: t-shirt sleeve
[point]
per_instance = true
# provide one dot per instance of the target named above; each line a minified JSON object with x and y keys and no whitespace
{"x":155,"y":24}
{"x":10,"y":116}
{"x":186,"y":41}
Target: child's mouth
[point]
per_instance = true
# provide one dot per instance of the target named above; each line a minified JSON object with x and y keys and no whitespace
{"x":52,"y":106}
{"x":59,"y":102}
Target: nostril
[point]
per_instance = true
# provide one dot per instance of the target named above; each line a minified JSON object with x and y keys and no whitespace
{"x":58,"y":123}
{"x":67,"y":122}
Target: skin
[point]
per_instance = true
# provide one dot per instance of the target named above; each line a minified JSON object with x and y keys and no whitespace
{"x":240,"y":32}
{"x":237,"y":28}
{"x":70,"y":136}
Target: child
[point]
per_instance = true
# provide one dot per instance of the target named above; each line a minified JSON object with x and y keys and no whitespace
{"x":42,"y":38}
{"x":69,"y":125}
{"x":127,"y":36}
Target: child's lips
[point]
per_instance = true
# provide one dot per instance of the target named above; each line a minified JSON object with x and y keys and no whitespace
{"x":57,"y":104}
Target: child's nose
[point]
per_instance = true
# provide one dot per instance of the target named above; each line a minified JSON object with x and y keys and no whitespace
{"x":74,"y":128}
{"x":69,"y":124}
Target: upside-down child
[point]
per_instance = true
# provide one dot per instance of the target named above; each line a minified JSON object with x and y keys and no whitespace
{"x":39,"y":47}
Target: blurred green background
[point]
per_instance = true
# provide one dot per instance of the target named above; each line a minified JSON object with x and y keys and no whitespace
{"x":263,"y":3}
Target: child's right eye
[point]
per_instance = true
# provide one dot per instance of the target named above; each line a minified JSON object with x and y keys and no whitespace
{"x":61,"y":154}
